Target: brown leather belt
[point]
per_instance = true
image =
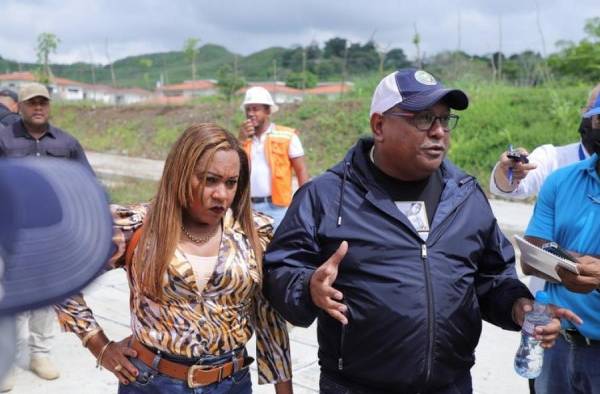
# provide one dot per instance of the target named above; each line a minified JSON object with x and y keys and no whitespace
{"x":194,"y":375}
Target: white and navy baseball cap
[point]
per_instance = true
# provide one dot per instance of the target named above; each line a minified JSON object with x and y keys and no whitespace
{"x":414,"y":90}
{"x":55,"y":231}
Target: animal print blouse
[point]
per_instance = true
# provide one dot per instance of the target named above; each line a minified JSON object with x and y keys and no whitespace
{"x":189,"y":323}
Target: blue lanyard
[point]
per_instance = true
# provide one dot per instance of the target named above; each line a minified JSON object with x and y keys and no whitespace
{"x":581,"y":154}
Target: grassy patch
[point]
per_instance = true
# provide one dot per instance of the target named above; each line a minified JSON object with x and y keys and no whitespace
{"x":124,"y":190}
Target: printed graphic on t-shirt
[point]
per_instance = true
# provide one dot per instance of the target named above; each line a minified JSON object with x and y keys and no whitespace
{"x":416,"y":213}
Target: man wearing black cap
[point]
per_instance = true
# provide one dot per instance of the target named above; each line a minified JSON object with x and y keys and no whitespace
{"x":34,"y":136}
{"x":8,"y":107}
{"x":399,"y":305}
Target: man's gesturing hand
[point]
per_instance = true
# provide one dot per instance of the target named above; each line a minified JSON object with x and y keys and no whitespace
{"x":321,"y":290}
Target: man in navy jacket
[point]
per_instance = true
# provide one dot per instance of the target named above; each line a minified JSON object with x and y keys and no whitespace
{"x":399,"y":292}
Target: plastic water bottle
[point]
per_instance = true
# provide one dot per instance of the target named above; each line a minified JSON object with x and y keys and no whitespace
{"x":530,"y":355}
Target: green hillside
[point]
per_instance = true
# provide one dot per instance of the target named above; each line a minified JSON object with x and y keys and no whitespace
{"x":142,"y":70}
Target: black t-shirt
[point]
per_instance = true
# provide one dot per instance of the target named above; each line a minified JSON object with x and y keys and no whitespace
{"x":428,"y":190}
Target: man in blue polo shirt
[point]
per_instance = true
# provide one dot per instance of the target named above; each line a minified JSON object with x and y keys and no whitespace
{"x":568,"y":212}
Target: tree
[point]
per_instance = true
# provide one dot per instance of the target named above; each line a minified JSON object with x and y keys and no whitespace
{"x":362,"y":58}
{"x":592,"y":28}
{"x":146,"y":64}
{"x":292,"y":58}
{"x":396,"y":58}
{"x":47,"y":43}
{"x":190,"y":50}
{"x":524,"y":68}
{"x":228,"y":81}
{"x":580,"y":61}
{"x":335,"y":47}
{"x":299,"y":81}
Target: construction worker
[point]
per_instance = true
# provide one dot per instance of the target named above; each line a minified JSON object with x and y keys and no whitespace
{"x":273,"y":150}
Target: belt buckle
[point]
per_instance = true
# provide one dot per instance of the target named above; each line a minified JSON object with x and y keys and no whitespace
{"x":197,"y":367}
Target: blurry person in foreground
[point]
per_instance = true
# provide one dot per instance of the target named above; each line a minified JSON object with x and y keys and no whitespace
{"x":55,"y":237}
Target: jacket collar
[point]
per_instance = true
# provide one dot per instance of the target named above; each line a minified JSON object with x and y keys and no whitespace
{"x":355,"y":169}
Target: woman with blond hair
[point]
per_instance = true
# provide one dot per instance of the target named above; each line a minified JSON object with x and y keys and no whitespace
{"x":193,"y":261}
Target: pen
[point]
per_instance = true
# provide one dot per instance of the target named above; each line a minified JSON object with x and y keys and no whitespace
{"x":510,"y":170}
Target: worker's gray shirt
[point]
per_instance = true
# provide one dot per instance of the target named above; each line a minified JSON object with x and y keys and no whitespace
{"x":15,"y":141}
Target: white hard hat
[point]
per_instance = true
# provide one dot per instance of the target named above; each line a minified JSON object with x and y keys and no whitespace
{"x":259,"y":95}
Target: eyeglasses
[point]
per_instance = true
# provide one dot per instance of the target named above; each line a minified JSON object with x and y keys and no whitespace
{"x":424,"y":120}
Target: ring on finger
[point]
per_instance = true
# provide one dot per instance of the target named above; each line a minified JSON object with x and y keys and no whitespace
{"x":118,"y":368}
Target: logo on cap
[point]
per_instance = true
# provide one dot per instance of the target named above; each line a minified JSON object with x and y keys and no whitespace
{"x":424,"y":77}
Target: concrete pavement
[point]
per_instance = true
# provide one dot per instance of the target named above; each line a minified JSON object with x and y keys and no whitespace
{"x":108,"y":297}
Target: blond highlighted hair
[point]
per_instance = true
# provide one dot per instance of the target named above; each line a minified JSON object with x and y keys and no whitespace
{"x":191,"y":154}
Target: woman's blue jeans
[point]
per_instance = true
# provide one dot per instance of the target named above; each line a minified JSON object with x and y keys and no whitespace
{"x":150,"y":381}
{"x":276,"y":212}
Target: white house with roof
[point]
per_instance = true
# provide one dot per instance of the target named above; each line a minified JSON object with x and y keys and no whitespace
{"x":69,"y":90}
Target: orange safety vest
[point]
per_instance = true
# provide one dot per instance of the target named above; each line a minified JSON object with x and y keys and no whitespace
{"x":277,"y":146}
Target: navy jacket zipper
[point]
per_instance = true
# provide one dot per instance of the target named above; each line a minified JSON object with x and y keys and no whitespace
{"x":430,"y":317}
{"x":342,"y":338}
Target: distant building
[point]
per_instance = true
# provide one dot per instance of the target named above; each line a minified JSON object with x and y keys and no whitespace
{"x":69,"y":90}
{"x":331,"y":90}
{"x":179,"y":93}
{"x":189,"y":89}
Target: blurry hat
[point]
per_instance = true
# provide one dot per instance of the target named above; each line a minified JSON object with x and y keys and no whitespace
{"x":259,"y":95}
{"x":9,"y":93}
{"x":414,"y":90}
{"x":55,"y":232}
{"x":594,"y":109}
{"x":31,"y":90}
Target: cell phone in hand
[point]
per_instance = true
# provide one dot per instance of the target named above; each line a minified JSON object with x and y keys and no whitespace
{"x":556,"y":250}
{"x":517,"y":156}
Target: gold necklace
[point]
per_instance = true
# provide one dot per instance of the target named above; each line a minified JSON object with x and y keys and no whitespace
{"x":199,"y":240}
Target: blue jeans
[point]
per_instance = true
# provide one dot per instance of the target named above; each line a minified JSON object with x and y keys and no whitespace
{"x":327,"y":385}
{"x":275,"y":211}
{"x":570,"y":369}
{"x":150,"y":381}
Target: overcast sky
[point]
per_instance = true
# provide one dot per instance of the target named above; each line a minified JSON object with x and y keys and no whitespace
{"x":133,"y":27}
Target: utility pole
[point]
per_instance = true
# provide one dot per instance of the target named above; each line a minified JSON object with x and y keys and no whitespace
{"x":500,"y":47}
{"x":344,"y":68}
{"x":458,"y":32}
{"x":235,"y":74}
{"x":112,"y":69}
{"x":303,"y":70}
{"x":93,"y":70}
{"x":382,"y":52}
{"x":417,"y":42}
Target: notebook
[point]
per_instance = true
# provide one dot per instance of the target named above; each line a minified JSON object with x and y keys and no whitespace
{"x":542,"y":260}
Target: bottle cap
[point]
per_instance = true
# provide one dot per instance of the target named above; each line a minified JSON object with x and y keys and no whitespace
{"x":542,"y":297}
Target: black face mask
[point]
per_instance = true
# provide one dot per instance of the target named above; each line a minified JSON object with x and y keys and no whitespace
{"x":590,"y":137}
